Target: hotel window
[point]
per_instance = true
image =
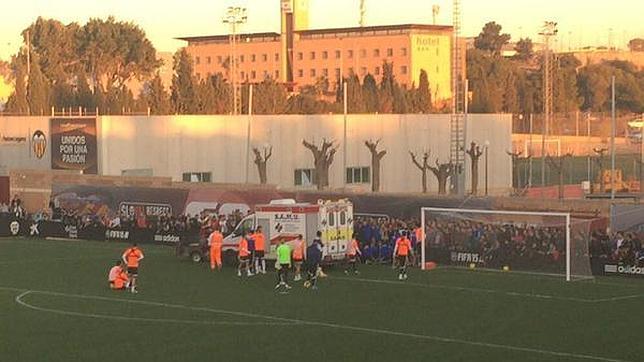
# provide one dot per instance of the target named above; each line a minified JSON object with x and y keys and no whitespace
{"x":219,"y":59}
{"x":437,"y":51}
{"x":197,"y":60}
{"x":208,"y":60}
{"x":390,"y":52}
{"x":403,"y":52}
{"x":437,"y":69}
{"x":313,"y":73}
{"x":325,"y":72}
{"x":337,"y":72}
{"x":277,"y":57}
{"x":338,"y":54}
{"x":264,"y":57}
{"x":377,"y":71}
{"x":300,"y":56}
{"x":376,"y":53}
{"x":198,"y":75}
{"x":350,"y":54}
{"x":351,"y":71}
{"x":300,"y":73}
{"x":241,"y":58}
{"x":312,"y":55}
{"x":266,"y":75}
{"x":277,"y":74}
{"x":403,"y":69}
{"x":325,"y":55}
{"x":243,"y":75}
{"x":358,"y":175}
{"x":253,"y":75}
{"x":253,"y":58}
{"x":363,"y":53}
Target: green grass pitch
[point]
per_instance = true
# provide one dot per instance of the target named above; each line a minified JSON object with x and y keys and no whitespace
{"x":55,"y":306}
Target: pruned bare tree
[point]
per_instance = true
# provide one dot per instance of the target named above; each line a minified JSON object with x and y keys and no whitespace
{"x":475,"y":154}
{"x":599,"y":160}
{"x":423,"y":167}
{"x":556,"y":164}
{"x":376,"y":157}
{"x":516,"y":175}
{"x":442,"y":171}
{"x":322,"y":158}
{"x":261,"y":158}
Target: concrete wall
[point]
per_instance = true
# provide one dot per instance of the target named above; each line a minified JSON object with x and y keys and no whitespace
{"x":172,"y":145}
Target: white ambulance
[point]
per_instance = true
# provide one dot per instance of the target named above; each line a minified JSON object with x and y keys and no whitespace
{"x":286,"y":219}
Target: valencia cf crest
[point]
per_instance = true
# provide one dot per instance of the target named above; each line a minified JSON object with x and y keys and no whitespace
{"x":39,"y":144}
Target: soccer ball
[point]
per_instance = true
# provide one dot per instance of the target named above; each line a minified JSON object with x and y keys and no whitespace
{"x":472,"y":266}
{"x":506,"y":268}
{"x":307,"y":284}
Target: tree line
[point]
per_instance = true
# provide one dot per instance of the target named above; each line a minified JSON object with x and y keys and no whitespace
{"x":91,"y":65}
{"x":515,"y":84}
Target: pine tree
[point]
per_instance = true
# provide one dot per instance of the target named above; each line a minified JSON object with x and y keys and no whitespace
{"x":184,"y":85}
{"x":355,"y":99}
{"x":370,"y":94}
{"x":423,"y":94}
{"x":156,"y":96}
{"x":84,"y":96}
{"x":37,"y":89}
{"x":17,"y":102}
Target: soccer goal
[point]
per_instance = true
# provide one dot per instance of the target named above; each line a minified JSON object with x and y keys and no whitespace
{"x":530,"y":242}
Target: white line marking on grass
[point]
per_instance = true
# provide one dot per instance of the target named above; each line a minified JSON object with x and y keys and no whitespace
{"x":19,"y":300}
{"x":488,"y":291}
{"x":347,"y":327}
{"x":468,"y":289}
{"x":45,"y":260}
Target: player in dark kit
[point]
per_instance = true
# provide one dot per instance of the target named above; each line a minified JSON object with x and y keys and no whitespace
{"x":313,"y":259}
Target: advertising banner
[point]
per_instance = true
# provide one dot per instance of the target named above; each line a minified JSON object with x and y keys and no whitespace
{"x":74,"y":145}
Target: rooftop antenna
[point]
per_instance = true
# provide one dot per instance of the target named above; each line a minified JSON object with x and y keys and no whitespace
{"x":435,"y":10}
{"x":363,"y":12}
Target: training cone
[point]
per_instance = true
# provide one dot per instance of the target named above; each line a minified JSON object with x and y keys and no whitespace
{"x":506,"y":268}
{"x":430,"y":265}
{"x":472,"y":265}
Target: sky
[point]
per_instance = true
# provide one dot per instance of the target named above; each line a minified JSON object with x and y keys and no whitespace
{"x":581,"y":22}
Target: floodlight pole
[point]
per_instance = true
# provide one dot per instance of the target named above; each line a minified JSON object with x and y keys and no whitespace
{"x":235,"y":16}
{"x":612,"y":141}
{"x":344,"y":139}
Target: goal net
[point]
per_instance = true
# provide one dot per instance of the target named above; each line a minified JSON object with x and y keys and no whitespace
{"x":533,"y":242}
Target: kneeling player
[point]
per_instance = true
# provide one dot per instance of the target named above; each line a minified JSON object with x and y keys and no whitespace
{"x":313,"y":258}
{"x":118,"y":278}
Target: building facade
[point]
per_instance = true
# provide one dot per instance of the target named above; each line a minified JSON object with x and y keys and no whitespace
{"x":299,"y":56}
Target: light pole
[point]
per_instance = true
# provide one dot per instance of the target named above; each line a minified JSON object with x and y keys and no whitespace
{"x":487,"y":146}
{"x":548,"y":31}
{"x":235,"y":16}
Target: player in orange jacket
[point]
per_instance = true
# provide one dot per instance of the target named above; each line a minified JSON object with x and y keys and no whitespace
{"x":299,"y":254}
{"x":215,"y":241}
{"x":132,"y":258}
{"x":352,"y":254}
{"x":244,"y":255}
{"x":260,"y":245}
{"x":402,"y":251}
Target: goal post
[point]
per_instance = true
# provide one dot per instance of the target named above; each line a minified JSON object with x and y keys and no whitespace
{"x":527,"y":241}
